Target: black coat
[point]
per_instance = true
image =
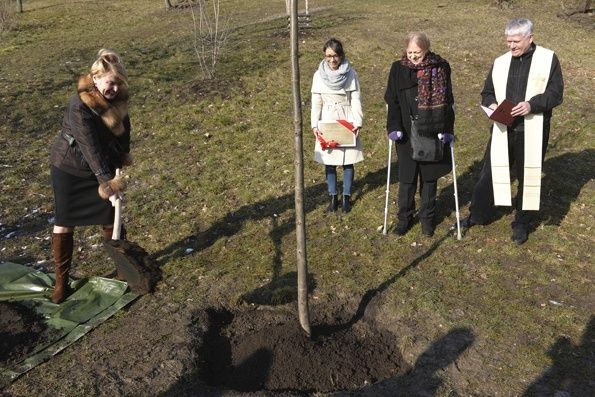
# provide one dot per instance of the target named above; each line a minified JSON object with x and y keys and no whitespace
{"x":516,"y":87}
{"x":94,"y":149}
{"x":400,"y":96}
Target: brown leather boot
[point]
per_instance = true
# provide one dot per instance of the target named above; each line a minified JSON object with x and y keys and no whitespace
{"x":108,"y":231}
{"x":62,"y":244}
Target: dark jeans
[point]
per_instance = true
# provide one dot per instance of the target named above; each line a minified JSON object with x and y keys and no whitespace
{"x":331,"y":178}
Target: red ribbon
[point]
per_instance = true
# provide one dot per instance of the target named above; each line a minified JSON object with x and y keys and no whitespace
{"x":346,"y":124}
{"x":333,"y":144}
{"x":326,"y":144}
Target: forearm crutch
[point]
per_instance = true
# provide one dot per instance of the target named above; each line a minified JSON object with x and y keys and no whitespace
{"x":454,"y":178}
{"x":390,"y":151}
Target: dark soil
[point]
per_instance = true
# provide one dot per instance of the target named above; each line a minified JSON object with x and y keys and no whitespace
{"x":135,"y":265}
{"x":166,"y":349}
{"x":267,"y":350}
{"x":21,"y":330}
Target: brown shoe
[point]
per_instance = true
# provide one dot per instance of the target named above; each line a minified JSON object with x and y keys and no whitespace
{"x":62,"y":244}
{"x":109,"y":231}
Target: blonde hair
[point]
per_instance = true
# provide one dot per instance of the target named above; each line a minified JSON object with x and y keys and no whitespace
{"x":108,"y":61}
{"x":419,"y":38}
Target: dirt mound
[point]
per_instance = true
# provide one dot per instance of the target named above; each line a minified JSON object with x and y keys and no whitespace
{"x":266,"y":350}
{"x":21,"y":330}
{"x":135,"y":264}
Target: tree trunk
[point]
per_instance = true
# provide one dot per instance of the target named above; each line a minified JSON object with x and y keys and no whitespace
{"x":19,"y":6}
{"x":300,"y":219}
{"x":167,"y":5}
{"x":585,"y":6}
{"x":578,"y":7}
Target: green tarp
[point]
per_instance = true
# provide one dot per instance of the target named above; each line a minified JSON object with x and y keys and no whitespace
{"x":94,"y":301}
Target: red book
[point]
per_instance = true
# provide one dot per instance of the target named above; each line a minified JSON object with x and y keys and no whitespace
{"x":502,"y":113}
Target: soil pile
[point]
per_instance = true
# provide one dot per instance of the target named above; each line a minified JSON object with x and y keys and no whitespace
{"x":267,"y":350}
{"x":21,"y":330}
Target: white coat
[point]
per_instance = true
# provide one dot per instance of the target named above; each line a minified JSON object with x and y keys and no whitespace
{"x":328,"y":104}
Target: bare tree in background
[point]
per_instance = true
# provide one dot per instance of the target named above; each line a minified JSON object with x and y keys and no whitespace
{"x":210,"y":33}
{"x":7,"y":15}
{"x":19,"y":6}
{"x":576,"y":7}
{"x":288,"y":7}
{"x":300,"y":219}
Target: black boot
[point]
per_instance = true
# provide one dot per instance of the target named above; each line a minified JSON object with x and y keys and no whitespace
{"x":519,"y":234}
{"x":334,"y":204}
{"x":466,"y":223}
{"x":346,"y":203}
{"x":427,"y":227}
{"x":402,"y":227}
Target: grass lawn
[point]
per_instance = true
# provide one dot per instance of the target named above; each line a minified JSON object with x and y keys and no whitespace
{"x":211,"y":192}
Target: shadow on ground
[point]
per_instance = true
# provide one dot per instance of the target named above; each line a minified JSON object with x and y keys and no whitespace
{"x":573,"y":368}
{"x":370,"y":301}
{"x":315,"y":196}
{"x":565,"y":177}
{"x":265,"y":351}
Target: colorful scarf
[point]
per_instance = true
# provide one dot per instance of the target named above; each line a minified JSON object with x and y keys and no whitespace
{"x":431,"y":79}
{"x":432,"y":96}
{"x":335,"y":79}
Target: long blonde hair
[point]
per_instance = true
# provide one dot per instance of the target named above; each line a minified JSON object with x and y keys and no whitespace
{"x":108,"y":61}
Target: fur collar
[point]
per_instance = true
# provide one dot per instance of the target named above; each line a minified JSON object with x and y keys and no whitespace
{"x":113,"y":112}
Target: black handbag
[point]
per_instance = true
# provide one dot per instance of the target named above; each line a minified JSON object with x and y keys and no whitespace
{"x":424,"y":148}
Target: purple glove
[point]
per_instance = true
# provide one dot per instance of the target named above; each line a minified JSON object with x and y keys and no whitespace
{"x":446,"y":138}
{"x":395,"y":136}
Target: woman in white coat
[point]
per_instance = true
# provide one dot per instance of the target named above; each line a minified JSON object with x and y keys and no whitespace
{"x":336,"y":96}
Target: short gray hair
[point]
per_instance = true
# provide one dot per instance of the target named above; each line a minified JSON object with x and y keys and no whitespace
{"x":521,"y":26}
{"x":419,"y":38}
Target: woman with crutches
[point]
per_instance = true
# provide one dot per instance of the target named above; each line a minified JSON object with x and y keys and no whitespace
{"x":420,"y":101}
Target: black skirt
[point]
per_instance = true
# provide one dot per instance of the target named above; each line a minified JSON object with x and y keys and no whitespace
{"x":77,"y":202}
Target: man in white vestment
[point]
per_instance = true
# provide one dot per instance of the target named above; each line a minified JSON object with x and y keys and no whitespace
{"x":530,"y":76}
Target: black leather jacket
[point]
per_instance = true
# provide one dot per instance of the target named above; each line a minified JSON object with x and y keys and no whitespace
{"x":85,"y":146}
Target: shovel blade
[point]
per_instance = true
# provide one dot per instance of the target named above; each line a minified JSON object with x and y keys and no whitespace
{"x":134,"y":264}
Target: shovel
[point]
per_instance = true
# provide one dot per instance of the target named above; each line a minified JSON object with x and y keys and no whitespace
{"x":132,"y":261}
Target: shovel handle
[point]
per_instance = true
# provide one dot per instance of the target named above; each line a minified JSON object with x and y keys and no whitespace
{"x":117,"y":215}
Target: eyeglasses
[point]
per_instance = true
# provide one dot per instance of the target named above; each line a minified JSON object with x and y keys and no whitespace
{"x":332,"y":56}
